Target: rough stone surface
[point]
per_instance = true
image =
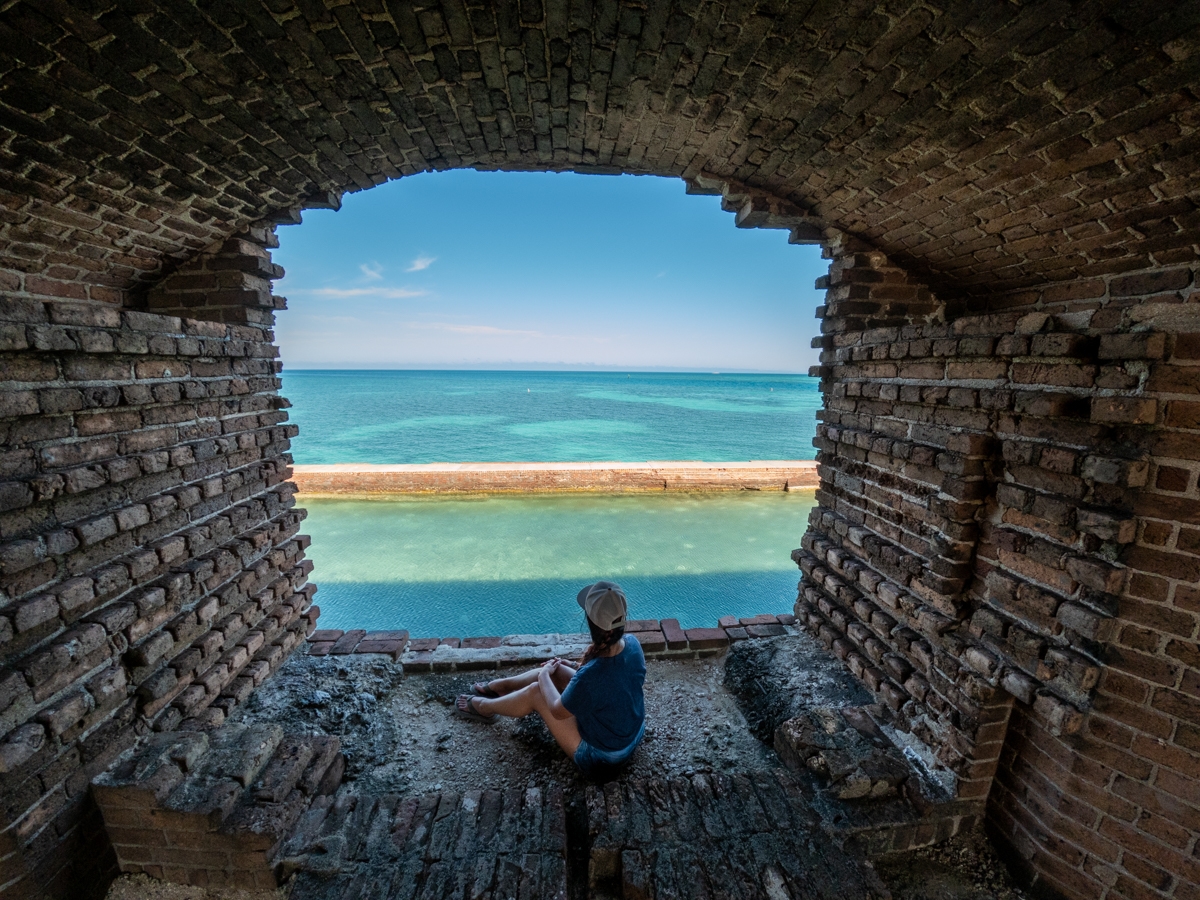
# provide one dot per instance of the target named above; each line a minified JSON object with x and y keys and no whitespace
{"x":746,"y":835}
{"x":398,"y":736}
{"x":778,"y":679}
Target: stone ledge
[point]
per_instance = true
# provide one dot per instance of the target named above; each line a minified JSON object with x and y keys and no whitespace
{"x":659,"y":639}
{"x":541,"y":477}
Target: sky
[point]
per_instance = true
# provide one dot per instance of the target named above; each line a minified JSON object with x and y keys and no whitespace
{"x":477,"y":270}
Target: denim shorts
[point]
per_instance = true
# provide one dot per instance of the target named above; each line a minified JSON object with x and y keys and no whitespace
{"x":603,"y":765}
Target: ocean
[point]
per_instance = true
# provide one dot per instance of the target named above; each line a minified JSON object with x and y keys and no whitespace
{"x":493,"y":565}
{"x":452,"y":416}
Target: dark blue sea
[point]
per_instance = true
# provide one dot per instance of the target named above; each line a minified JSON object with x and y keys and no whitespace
{"x":490,"y":416}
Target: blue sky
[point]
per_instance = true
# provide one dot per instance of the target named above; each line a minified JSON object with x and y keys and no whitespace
{"x":473,"y":269}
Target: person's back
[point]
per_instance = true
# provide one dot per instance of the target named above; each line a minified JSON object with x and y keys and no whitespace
{"x":606,"y":698}
{"x":596,"y":713}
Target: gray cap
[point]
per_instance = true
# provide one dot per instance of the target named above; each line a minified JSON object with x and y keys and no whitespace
{"x":604,"y":603}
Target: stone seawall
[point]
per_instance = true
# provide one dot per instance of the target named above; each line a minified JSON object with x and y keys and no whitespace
{"x":534,"y":477}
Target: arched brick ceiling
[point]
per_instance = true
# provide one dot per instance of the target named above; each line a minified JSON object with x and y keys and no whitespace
{"x":987,"y":145}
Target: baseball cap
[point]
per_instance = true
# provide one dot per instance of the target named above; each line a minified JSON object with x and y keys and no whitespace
{"x":604,"y":603}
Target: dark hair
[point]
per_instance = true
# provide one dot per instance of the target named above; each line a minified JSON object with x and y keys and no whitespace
{"x":601,"y":640}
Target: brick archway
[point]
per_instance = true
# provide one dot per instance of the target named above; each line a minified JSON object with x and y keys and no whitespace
{"x":1009,"y":357}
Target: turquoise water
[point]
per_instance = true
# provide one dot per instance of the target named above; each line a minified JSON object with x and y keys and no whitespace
{"x":435,"y":416}
{"x":503,"y":565}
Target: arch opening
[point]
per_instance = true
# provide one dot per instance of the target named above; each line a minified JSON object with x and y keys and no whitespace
{"x":671,"y":355}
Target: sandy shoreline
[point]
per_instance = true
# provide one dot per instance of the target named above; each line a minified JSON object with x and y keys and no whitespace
{"x":566,"y":477}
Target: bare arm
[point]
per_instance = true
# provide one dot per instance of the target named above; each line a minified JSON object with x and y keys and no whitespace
{"x":550,"y":690}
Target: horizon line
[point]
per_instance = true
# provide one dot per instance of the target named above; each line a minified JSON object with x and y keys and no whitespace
{"x":616,"y":369}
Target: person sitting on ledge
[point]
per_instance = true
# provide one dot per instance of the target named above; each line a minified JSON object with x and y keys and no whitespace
{"x":596,"y":713}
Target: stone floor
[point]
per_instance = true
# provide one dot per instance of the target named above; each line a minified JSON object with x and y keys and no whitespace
{"x":399,"y":736}
{"x":436,"y":807}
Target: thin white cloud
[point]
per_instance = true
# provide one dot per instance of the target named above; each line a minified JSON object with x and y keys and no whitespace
{"x":492,"y":330}
{"x":473,"y":329}
{"x":421,"y":263}
{"x":381,"y":292}
{"x":373,"y":272}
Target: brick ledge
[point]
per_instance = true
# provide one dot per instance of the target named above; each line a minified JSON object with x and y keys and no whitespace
{"x":659,"y":639}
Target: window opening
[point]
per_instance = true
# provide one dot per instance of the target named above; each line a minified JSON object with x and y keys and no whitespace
{"x":539,"y":318}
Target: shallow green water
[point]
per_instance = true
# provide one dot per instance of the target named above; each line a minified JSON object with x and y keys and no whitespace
{"x":501,"y":565}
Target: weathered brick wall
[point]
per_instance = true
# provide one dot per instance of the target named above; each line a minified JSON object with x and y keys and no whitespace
{"x":1006,"y":514}
{"x":982,"y":144}
{"x":150,"y":569}
{"x":1115,"y":807}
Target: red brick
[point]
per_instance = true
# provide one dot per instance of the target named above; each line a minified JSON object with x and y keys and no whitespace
{"x":1183,"y":414}
{"x":636,"y":625}
{"x":762,"y":631}
{"x":674,"y":635}
{"x":651,"y":641}
{"x":323,"y":635}
{"x":706,"y":638}
{"x":1124,"y":410}
{"x":761,"y":619}
{"x":396,"y":635}
{"x":394,"y":649}
{"x":1187,"y":346}
{"x":347,"y":642}
{"x":1142,"y":345}
{"x":1155,"y":282}
{"x":480,"y":643}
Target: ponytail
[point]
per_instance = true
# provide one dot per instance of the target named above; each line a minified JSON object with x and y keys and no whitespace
{"x":602,"y":641}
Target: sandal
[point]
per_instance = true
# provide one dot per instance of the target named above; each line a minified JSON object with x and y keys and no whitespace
{"x":464,"y":709}
{"x":481,"y":689}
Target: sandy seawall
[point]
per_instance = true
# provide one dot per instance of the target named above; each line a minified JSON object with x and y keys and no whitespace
{"x":534,"y":477}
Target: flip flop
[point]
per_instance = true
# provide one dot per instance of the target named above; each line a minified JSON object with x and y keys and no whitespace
{"x":464,"y":710}
{"x":481,"y":689}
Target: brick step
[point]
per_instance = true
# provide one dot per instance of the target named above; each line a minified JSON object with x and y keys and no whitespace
{"x":214,"y":808}
{"x":871,"y":792}
{"x":479,"y":843}
{"x":750,"y":835}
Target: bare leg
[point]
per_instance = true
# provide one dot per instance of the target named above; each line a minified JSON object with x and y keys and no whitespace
{"x":526,"y":700}
{"x":503,"y":686}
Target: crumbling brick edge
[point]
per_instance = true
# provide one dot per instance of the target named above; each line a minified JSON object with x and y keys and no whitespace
{"x":659,"y":639}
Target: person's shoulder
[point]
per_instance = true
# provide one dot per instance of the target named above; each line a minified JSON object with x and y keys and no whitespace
{"x":633,"y":646}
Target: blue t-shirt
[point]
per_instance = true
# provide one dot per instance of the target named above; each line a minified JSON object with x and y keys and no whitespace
{"x":605,"y":697}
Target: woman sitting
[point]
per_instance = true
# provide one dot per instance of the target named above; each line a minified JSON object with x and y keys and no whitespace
{"x":596,"y":713}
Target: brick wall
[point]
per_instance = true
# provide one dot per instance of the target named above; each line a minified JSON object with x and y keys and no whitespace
{"x":1007,"y":512}
{"x":150,"y":569}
